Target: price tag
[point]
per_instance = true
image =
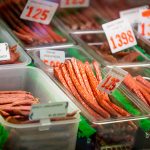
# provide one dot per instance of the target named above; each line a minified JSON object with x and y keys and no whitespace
{"x":51,"y":110}
{"x":132,"y":15}
{"x":119,"y":34}
{"x":49,"y":57}
{"x":41,"y":11}
{"x":74,"y":3}
{"x":112,"y":80}
{"x":144,"y":25}
{"x":4,"y":51}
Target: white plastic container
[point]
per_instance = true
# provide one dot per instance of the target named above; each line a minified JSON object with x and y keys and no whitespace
{"x":5,"y":37}
{"x":52,"y":135}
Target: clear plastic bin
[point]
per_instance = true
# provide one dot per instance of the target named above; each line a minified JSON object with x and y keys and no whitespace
{"x":54,"y":135}
{"x":106,"y":128}
{"x":5,"y":37}
{"x":87,"y":19}
{"x":109,"y":9}
{"x":92,"y":42}
{"x":41,"y":39}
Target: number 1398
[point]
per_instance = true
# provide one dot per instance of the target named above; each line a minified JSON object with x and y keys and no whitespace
{"x":122,"y":39}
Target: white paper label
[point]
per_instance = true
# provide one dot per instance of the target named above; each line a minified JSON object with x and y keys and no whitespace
{"x":132,"y":15}
{"x":112,"y":80}
{"x":41,"y":11}
{"x":74,"y":3}
{"x":4,"y":51}
{"x":51,"y":110}
{"x":52,"y":56}
{"x":144,"y":25}
{"x":119,"y":34}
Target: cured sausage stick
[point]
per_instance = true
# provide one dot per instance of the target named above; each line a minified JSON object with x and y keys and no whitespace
{"x":98,"y":72}
{"x":85,"y":79}
{"x":59,"y":76}
{"x":84,"y":94}
{"x":75,"y":93}
{"x":100,"y":97}
{"x":143,"y":81}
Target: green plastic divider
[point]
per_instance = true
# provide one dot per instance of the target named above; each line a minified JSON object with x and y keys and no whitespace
{"x":123,"y":100}
{"x":3,"y":136}
{"x":85,"y":130}
{"x":142,"y":51}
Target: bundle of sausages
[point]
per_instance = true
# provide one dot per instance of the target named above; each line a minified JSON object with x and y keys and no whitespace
{"x":15,"y":105}
{"x":109,"y":10}
{"x":139,"y":86}
{"x":109,"y":134}
{"x":14,"y":56}
{"x":29,"y":32}
{"x":84,"y":19}
{"x":79,"y":79}
{"x":119,"y":57}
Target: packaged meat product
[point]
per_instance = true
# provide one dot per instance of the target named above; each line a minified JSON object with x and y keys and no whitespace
{"x":109,"y":10}
{"x":111,"y":115}
{"x":31,"y":34}
{"x":99,"y":48}
{"x":80,"y":19}
{"x":18,"y":56}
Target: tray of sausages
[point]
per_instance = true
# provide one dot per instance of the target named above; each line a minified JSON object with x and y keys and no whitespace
{"x":96,"y":44}
{"x":138,"y":82}
{"x":109,"y":10}
{"x":18,"y":57}
{"x":78,"y":76}
{"x":79,"y":19}
{"x":31,"y":34}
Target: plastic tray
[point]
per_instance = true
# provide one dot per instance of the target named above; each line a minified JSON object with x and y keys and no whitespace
{"x":144,"y":72}
{"x":5,"y":37}
{"x":97,"y":38}
{"x":94,"y":16}
{"x":36,"y":135}
{"x":57,"y":29}
{"x":109,"y":10}
{"x":76,"y":52}
{"x":106,"y":128}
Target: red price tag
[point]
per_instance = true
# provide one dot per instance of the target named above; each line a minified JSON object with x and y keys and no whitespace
{"x":41,"y":11}
{"x":119,"y":34}
{"x":144,"y":26}
{"x":74,"y":3}
{"x":112,"y":80}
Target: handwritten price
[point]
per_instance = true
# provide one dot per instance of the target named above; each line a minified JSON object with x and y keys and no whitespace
{"x":110,"y":83}
{"x":41,"y":11}
{"x":112,"y":80}
{"x":52,"y":63}
{"x":144,"y":27}
{"x":37,"y":13}
{"x":122,"y":39}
